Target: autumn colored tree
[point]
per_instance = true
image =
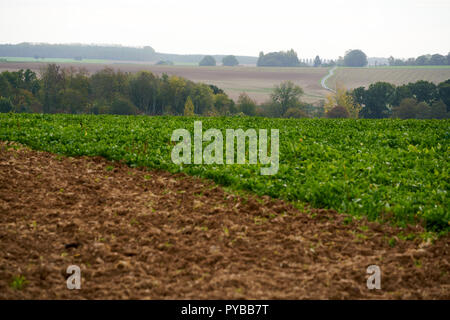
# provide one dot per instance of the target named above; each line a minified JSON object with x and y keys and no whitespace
{"x":344,"y":99}
{"x":189,"y":107}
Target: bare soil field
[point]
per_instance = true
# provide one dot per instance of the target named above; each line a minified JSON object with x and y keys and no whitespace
{"x":256,"y":81}
{"x":356,"y":77}
{"x":143,"y":234}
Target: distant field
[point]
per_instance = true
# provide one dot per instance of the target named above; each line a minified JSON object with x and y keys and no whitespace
{"x":256,"y":81}
{"x":52,"y":60}
{"x":357,"y":77}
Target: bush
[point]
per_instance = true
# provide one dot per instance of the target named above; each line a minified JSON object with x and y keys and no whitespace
{"x":207,"y":61}
{"x":122,"y":106}
{"x":295,"y":113}
{"x":338,"y":112}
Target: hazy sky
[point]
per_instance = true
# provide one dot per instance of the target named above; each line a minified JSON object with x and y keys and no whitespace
{"x":403,"y":28}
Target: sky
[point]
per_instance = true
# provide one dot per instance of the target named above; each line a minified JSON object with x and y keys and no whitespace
{"x":381,"y":28}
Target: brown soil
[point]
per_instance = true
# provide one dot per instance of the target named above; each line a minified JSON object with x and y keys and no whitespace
{"x":153,"y":235}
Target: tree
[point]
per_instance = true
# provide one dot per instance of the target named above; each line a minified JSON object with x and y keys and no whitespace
{"x":378,"y":99}
{"x":72,"y":101}
{"x":286,"y":95}
{"x":5,"y":86}
{"x":410,"y":108}
{"x":78,"y":79}
{"x":52,"y":84}
{"x":189,"y":107}
{"x":438,"y":110}
{"x":278,"y":59}
{"x":207,"y":61}
{"x":122,"y":106}
{"x":422,"y":60}
{"x":215,"y":89}
{"x":401,"y":92}
{"x":106,"y":84}
{"x":230,"y":61}
{"x":203,"y":98}
{"x":223,"y":104}
{"x":391,"y":61}
{"x":246,"y":105}
{"x":359,"y":95}
{"x":337,"y":112}
{"x":406,"y":110}
{"x":444,"y":93}
{"x":317,"y":62}
{"x":176,"y":94}
{"x":5,"y":105}
{"x":424,"y":91}
{"x":344,"y":99}
{"x":355,"y":58}
{"x":438,"y":60}
{"x":144,"y":91}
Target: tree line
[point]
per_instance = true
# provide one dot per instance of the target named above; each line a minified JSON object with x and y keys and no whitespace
{"x":421,"y":100}
{"x":102,"y":52}
{"x":418,"y":100}
{"x":73,"y":90}
{"x":423,"y":60}
{"x":352,"y":58}
{"x":79,"y":52}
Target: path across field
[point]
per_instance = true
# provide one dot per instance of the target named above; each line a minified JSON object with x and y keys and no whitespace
{"x":323,"y":82}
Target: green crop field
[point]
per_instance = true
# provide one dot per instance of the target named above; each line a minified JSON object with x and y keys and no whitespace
{"x":356,"y":77}
{"x":390,"y":170}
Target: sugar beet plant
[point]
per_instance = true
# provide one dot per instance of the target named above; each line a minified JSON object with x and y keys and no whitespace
{"x":395,"y":170}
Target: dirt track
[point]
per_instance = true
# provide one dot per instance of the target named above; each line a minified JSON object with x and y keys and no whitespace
{"x":152,"y":235}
